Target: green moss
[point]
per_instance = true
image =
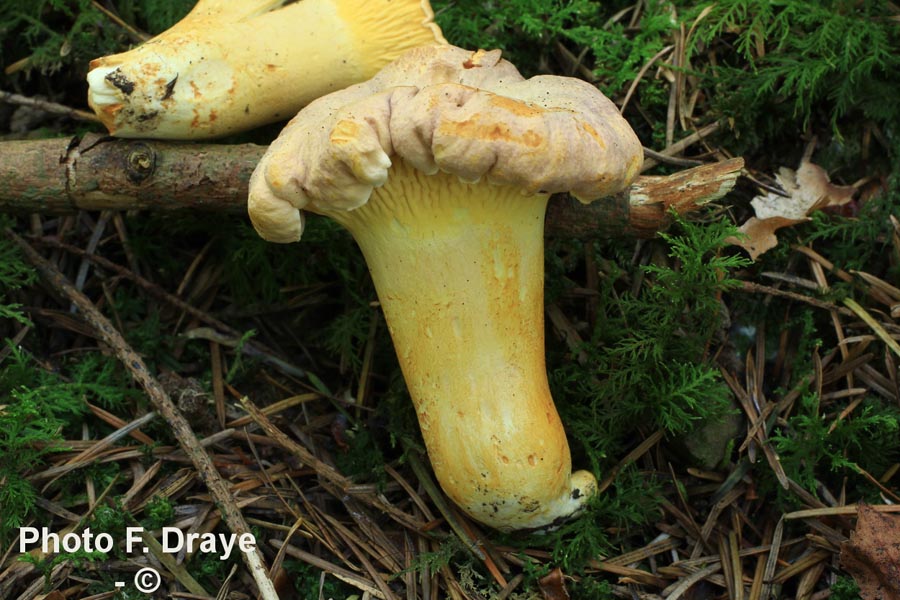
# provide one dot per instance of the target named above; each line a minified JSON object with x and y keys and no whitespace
{"x":14,"y":275}
{"x":57,"y":35}
{"x":648,"y":358}
{"x":39,"y":410}
{"x":310,"y":582}
{"x":37,"y":407}
{"x":158,"y":512}
{"x":844,"y":588}
{"x":529,"y":31}
{"x":839,"y":52}
{"x":816,"y":447}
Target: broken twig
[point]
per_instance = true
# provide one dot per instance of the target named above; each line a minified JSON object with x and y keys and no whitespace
{"x":100,"y":173}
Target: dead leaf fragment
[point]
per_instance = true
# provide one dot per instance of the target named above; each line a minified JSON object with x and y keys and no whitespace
{"x":872,"y":556}
{"x":807,"y":189}
{"x":760,"y":234}
{"x":815,"y":183}
{"x":553,"y":585}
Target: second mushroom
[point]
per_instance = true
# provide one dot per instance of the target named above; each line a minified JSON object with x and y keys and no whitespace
{"x":441,"y":167}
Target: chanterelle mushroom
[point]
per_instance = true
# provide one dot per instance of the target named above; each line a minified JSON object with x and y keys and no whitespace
{"x":441,"y":167}
{"x":231,"y":65}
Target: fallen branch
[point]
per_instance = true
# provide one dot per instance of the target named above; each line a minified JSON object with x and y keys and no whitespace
{"x":60,"y":176}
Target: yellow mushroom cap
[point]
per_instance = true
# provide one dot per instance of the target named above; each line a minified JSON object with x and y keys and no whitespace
{"x":231,"y":65}
{"x":442,"y":108}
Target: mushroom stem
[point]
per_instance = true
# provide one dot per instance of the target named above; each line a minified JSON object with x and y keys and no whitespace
{"x":459,"y":272}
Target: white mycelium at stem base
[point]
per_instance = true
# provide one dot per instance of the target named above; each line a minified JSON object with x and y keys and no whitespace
{"x":441,"y":166}
{"x":459,"y":270}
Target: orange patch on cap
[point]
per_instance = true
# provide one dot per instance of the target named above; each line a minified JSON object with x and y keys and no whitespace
{"x":516,"y":107}
{"x":474,"y":130}
{"x":531,"y":139}
{"x":150,"y":69}
{"x":344,"y":131}
{"x":593,"y":133}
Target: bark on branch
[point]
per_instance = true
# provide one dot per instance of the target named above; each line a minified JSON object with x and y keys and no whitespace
{"x":101,"y":173}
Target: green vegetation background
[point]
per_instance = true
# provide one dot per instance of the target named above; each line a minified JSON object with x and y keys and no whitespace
{"x":773,"y":73}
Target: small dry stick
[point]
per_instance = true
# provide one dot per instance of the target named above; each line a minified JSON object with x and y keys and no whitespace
{"x":50,"y":107}
{"x":136,"y":35}
{"x":632,"y":456}
{"x":683,"y":144}
{"x":163,"y":405}
{"x":633,"y":87}
{"x":749,"y":286}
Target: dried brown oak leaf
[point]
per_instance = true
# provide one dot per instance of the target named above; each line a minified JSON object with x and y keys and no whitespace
{"x":807,"y":189}
{"x":872,"y":556}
